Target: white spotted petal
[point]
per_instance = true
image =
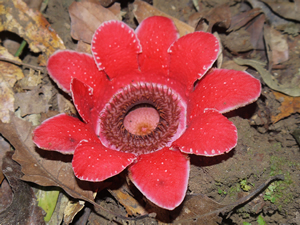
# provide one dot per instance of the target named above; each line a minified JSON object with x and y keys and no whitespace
{"x":95,"y":162}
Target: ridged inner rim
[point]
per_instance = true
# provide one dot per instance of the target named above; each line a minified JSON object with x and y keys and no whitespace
{"x":168,"y":104}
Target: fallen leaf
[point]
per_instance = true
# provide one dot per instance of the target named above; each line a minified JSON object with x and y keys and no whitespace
{"x":143,"y":10}
{"x":246,"y":32}
{"x":231,"y":65}
{"x":286,"y":9}
{"x":30,"y":25}
{"x":6,"y":194}
{"x":277,"y":46}
{"x":131,"y":205}
{"x":106,"y":2}
{"x":45,"y":168}
{"x":289,"y":105}
{"x":58,"y":213}
{"x":241,"y":19}
{"x":219,"y":15}
{"x":256,"y":30}
{"x":272,"y":18}
{"x":83,"y":47}
{"x":237,"y":41}
{"x":34,"y":101}
{"x":9,"y":74}
{"x":47,"y":201}
{"x":32,"y":79}
{"x":71,"y":210}
{"x":268,"y":78}
{"x":6,"y":101}
{"x":4,"y":147}
{"x":23,"y":209}
{"x":197,"y":209}
{"x":86,"y":17}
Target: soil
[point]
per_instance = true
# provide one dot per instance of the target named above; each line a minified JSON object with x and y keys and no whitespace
{"x":264,"y":149}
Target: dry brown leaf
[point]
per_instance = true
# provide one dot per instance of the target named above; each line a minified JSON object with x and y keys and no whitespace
{"x":4,"y":147}
{"x":286,"y":9}
{"x":34,"y":101}
{"x":197,"y":210}
{"x":83,"y":47}
{"x":86,"y":17}
{"x":131,"y":205}
{"x":219,"y":15}
{"x":143,"y":10}
{"x":6,"y":100}
{"x":32,"y":79}
{"x":30,"y":25}
{"x":237,"y":41}
{"x":246,"y":32}
{"x":45,"y":168}
{"x":231,"y":65}
{"x":71,"y":210}
{"x":6,"y":194}
{"x":277,"y":47}
{"x":289,"y":105}
{"x":9,"y":74}
{"x":255,"y":28}
{"x":23,"y":208}
{"x":241,"y":19}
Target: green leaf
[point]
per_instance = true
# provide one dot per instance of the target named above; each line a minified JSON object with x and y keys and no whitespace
{"x":47,"y":201}
{"x":261,"y":221}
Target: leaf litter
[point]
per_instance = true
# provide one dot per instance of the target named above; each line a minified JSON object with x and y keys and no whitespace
{"x":243,"y":33}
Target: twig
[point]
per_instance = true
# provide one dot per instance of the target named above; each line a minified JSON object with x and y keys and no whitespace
{"x":23,"y":64}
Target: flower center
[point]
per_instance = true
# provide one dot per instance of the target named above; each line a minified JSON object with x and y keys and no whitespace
{"x":141,"y":121}
{"x":142,"y":118}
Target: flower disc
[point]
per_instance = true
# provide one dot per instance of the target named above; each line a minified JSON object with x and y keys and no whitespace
{"x":142,"y":118}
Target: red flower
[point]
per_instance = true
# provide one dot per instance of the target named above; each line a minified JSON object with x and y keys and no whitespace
{"x":141,"y":107}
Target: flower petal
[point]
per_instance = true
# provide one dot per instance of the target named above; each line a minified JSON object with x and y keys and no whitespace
{"x":83,"y":99}
{"x":65,"y":65}
{"x":89,"y":101}
{"x":62,"y":133}
{"x":224,"y":90}
{"x":115,"y":48}
{"x":209,"y":134}
{"x":156,"y":34}
{"x":191,"y":56}
{"x":162,"y":177}
{"x":94,"y":162}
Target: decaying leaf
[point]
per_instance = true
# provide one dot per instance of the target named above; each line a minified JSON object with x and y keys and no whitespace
{"x":197,"y":210}
{"x":237,"y":41}
{"x":268,"y":78}
{"x":286,"y":9}
{"x":43,"y":167}
{"x":143,"y":10}
{"x":219,"y":15}
{"x":246,"y":32}
{"x":32,"y":79}
{"x":274,"y":19}
{"x":6,"y":194}
{"x":9,"y":74}
{"x":289,"y":105}
{"x":131,"y":205}
{"x":23,"y":209}
{"x":241,"y":19}
{"x":277,"y":46}
{"x":58,"y":213}
{"x":71,"y":210}
{"x":34,"y":101}
{"x":87,"y":16}
{"x":30,"y":24}
{"x":4,"y":147}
